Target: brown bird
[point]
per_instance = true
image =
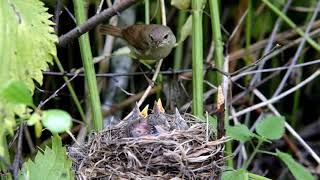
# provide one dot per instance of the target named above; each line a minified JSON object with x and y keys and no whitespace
{"x":158,"y":121}
{"x":146,"y":41}
{"x":137,"y":123}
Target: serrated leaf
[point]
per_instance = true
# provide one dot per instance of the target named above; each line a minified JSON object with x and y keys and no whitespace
{"x":56,"y":120}
{"x":181,"y":4}
{"x":17,"y":92}
{"x":27,"y":41}
{"x":239,"y":132}
{"x":27,"y":44}
{"x":52,"y":164}
{"x":271,"y":127}
{"x":240,"y":174}
{"x":186,"y":30}
{"x":298,"y":171}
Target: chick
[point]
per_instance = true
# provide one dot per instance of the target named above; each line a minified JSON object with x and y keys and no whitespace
{"x":158,"y":121}
{"x":179,"y":122}
{"x":137,"y":123}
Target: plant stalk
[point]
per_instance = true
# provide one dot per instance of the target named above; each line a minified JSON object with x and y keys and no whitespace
{"x":197,"y":58}
{"x":89,"y":71}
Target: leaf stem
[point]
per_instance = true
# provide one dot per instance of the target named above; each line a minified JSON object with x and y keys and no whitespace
{"x":247,"y":163}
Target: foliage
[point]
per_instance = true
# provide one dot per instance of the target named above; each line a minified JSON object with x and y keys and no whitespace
{"x":298,"y":171}
{"x":51,"y":164}
{"x":240,"y":174}
{"x":239,"y":132}
{"x":27,"y":45}
{"x":27,"y":41}
{"x":271,"y":127}
{"x":57,"y":120}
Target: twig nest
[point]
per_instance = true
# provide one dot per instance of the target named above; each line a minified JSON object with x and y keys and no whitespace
{"x":186,"y":149}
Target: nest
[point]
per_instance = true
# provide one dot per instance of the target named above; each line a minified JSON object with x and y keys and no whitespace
{"x":193,"y":153}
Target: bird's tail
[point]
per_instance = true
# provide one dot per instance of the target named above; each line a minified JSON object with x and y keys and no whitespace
{"x":111,"y":30}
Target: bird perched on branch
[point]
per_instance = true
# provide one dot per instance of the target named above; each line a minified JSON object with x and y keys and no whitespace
{"x":146,"y":41}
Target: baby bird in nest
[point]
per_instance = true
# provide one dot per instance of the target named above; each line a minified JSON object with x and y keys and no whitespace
{"x":179,"y":123}
{"x":157,"y":120}
{"x":137,"y":123}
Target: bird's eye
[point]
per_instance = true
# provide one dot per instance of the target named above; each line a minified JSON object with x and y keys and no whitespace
{"x":166,"y":36}
{"x":151,"y":37}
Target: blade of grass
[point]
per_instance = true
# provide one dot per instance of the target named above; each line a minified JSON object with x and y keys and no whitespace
{"x":86,"y":55}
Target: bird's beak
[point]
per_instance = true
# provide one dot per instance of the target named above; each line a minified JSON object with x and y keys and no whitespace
{"x":160,"y":44}
{"x":159,"y":104}
{"x":144,"y":112}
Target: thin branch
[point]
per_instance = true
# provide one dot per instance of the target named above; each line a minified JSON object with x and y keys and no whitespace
{"x":57,"y":16}
{"x":284,"y":36}
{"x":234,"y":78}
{"x":271,"y":40}
{"x":181,"y":71}
{"x":94,"y":21}
{"x":282,"y":95}
{"x":17,"y":158}
{"x":298,"y":52}
{"x":236,"y":29}
{"x":57,"y":91}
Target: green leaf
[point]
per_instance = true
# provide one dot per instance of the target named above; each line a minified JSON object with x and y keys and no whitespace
{"x":240,"y":174}
{"x":17,"y":92}
{"x":52,"y":164}
{"x":239,"y":132}
{"x":27,"y":41}
{"x":271,"y":127}
{"x":298,"y":171}
{"x":181,"y":4}
{"x":186,"y":30}
{"x":27,"y":45}
{"x":57,"y":120}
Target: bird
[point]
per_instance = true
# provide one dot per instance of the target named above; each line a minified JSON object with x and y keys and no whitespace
{"x":157,"y":120}
{"x":179,"y":122}
{"x":146,"y":41}
{"x":137,"y":123}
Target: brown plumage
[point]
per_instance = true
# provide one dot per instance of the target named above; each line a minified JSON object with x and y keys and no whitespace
{"x":152,"y":41}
